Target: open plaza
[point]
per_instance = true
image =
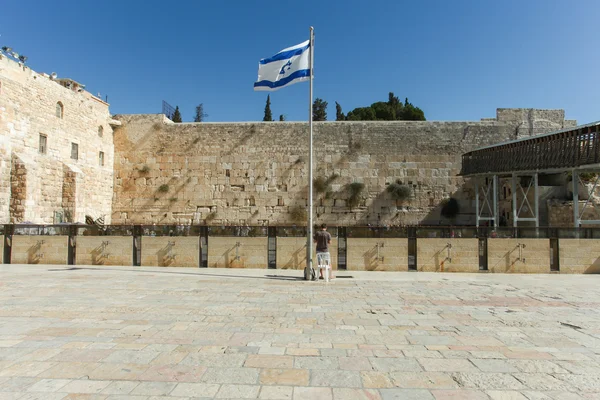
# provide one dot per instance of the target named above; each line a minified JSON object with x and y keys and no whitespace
{"x":140,"y":333}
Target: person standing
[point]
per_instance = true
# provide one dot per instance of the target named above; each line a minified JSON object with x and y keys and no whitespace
{"x":323,"y":239}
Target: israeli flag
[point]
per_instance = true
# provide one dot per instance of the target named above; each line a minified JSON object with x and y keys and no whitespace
{"x":289,"y":66}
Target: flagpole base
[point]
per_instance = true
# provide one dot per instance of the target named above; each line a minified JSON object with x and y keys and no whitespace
{"x":309,"y":274}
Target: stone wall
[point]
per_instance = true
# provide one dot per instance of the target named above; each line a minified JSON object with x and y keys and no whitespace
{"x":504,"y":256}
{"x":447,"y":255}
{"x":579,"y":256}
{"x":39,"y":249}
{"x":237,"y":252}
{"x":167,"y":251}
{"x":377,"y":254}
{"x":34,"y":186}
{"x":104,"y":250}
{"x":256,"y":173}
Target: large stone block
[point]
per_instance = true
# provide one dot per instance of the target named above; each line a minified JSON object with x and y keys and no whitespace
{"x":368,"y":254}
{"x":447,"y":255}
{"x":506,"y":255}
{"x":579,"y":256}
{"x":39,"y":249}
{"x":104,"y":250}
{"x":171,"y":251}
{"x":237,"y":252}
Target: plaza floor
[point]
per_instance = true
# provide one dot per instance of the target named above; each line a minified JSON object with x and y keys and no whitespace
{"x":119,"y":333}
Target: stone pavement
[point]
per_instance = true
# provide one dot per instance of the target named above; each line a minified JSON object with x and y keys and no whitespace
{"x":119,"y":333}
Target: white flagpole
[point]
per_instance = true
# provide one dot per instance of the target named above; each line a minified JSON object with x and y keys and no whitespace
{"x":309,"y":239}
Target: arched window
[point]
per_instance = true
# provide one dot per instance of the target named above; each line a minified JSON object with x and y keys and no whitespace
{"x":100,"y":130}
{"x":59,"y":110}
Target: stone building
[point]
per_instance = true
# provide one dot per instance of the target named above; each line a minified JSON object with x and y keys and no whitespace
{"x":56,"y":148}
{"x":63,"y":157}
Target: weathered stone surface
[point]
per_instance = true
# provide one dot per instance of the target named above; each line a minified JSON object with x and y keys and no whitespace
{"x":35,"y":186}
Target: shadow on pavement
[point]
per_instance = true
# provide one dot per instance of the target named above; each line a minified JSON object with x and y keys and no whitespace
{"x":269,"y":277}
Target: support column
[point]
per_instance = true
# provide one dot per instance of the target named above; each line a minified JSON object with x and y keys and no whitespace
{"x":575,"y":177}
{"x":536,"y":200}
{"x":495,"y":216}
{"x":514,"y":201}
{"x":476,"y":202}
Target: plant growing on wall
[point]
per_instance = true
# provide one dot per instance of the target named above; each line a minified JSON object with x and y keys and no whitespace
{"x":145,"y":169}
{"x":164,"y":188}
{"x":450,"y":208}
{"x":323,"y":185}
{"x":298,"y":214}
{"x":355,"y":190}
{"x":399,"y":191}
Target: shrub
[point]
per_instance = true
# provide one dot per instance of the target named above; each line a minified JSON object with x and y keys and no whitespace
{"x":355,"y":190}
{"x":320,"y":184}
{"x":145,"y":169}
{"x":450,"y":208}
{"x":164,"y":188}
{"x":298,"y":214}
{"x":399,"y":191}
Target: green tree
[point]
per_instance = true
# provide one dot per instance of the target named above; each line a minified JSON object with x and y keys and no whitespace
{"x":319,"y":110}
{"x":200,"y":114}
{"x":268,"y":115}
{"x":281,"y":117}
{"x":176,"y":115}
{"x":339,"y":115}
{"x":392,"y":110}
{"x":361,"y":114}
{"x":384,"y":111}
{"x":412,"y":113}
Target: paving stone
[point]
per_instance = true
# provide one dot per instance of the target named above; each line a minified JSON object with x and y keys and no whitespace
{"x":459,"y":395}
{"x":487,"y":381}
{"x":355,"y":394}
{"x":231,"y":375}
{"x":447,"y":365}
{"x":311,"y":393}
{"x":505,"y":395}
{"x":541,"y":381}
{"x":423,"y":380}
{"x":355,"y":363}
{"x":378,"y":380}
{"x":316,"y":363}
{"x":48,"y":385}
{"x":348,"y":379}
{"x":406,"y":394}
{"x":120,"y":387}
{"x":276,"y":392}
{"x":85,"y":386}
{"x":487,"y":365}
{"x":153,"y":388}
{"x":295,"y":377}
{"x":195,"y":390}
{"x":262,"y":361}
{"x":238,"y":392}
{"x":130,"y":357}
{"x":395,"y":364}
{"x":173,"y":373}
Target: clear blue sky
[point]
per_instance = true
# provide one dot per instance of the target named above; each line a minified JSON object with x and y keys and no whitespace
{"x":457,"y":60}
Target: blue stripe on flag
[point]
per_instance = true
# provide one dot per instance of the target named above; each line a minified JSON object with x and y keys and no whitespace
{"x":301,"y":73}
{"x":284,"y":55}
